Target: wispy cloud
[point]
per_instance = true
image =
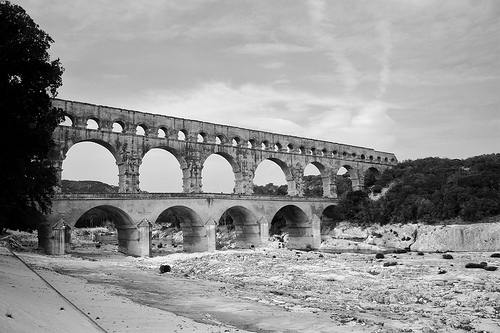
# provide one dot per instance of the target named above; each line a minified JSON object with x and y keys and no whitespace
{"x":263,"y":107}
{"x":270,"y":48}
{"x":350,"y":71}
{"x":384,"y":31}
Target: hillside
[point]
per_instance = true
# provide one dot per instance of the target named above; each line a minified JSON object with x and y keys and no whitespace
{"x":87,"y":186}
{"x":430,"y":190}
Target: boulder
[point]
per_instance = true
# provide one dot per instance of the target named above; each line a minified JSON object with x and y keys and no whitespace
{"x":165,"y":268}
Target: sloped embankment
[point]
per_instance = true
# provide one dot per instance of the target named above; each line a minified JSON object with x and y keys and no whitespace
{"x":478,"y":237}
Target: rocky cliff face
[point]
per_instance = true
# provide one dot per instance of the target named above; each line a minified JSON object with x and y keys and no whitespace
{"x":417,"y":237}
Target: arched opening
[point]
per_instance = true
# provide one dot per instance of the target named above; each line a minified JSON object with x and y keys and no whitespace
{"x":219,"y":140}
{"x":289,"y":148}
{"x":290,"y":224}
{"x":180,"y":225}
{"x":167,"y":235}
{"x":181,"y":135}
{"x":344,"y":182}
{"x":251,"y":143}
{"x":217,"y":175}
{"x":89,"y":167}
{"x":162,"y":132}
{"x":313,"y":182}
{"x":330,"y":218}
{"x":140,"y":130}
{"x":270,"y":178}
{"x":67,"y":121}
{"x":118,"y":127}
{"x":371,"y":177}
{"x":105,"y":229}
{"x":160,"y":172}
{"x":202,"y":137}
{"x":265,"y":145}
{"x":92,"y":124}
{"x":278,"y":146}
{"x":302,"y":150}
{"x":237,"y":228}
{"x":235,"y":142}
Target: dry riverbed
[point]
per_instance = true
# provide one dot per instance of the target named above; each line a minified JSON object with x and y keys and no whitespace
{"x":279,"y":290}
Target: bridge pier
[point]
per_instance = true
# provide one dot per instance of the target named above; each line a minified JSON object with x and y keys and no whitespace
{"x":135,"y":240}
{"x":53,"y":239}
{"x":199,"y":238}
{"x":305,"y":236}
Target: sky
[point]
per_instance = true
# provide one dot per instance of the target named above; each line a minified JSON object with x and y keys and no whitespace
{"x":418,"y":78}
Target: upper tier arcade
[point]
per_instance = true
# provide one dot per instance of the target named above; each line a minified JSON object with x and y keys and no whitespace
{"x":129,"y":135}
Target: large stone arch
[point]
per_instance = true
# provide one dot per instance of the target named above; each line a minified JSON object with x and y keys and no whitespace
{"x":328,"y":178}
{"x":235,"y":167}
{"x":131,"y":239}
{"x":300,"y":229}
{"x":175,"y":152}
{"x":247,"y":227}
{"x":330,"y":217}
{"x":116,"y":215}
{"x":371,"y":175}
{"x":323,"y":170}
{"x":60,"y":151}
{"x":194,"y":229}
{"x":290,"y":176}
{"x":178,"y":156}
{"x":353,"y":174}
{"x":110,"y":147}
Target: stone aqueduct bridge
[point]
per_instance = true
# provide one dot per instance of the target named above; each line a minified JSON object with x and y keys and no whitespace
{"x":192,"y":142}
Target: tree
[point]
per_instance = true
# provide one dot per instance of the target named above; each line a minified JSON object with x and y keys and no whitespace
{"x":28,"y":80}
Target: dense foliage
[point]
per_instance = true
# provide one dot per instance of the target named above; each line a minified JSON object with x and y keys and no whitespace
{"x":28,"y":79}
{"x":270,"y":189}
{"x":430,"y":190}
{"x":313,"y":187}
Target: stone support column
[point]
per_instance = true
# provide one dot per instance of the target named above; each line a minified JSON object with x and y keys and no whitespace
{"x":145,"y":234}
{"x":330,"y":185}
{"x":54,"y":238}
{"x":211,"y":235}
{"x":264,"y":231}
{"x":316,"y":232}
{"x":57,"y":157}
{"x":191,"y":175}
{"x":80,"y":122}
{"x":128,"y":168}
{"x":296,"y":182}
{"x":244,"y":185}
{"x":305,"y":236}
{"x":359,"y":181}
{"x":199,"y":238}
